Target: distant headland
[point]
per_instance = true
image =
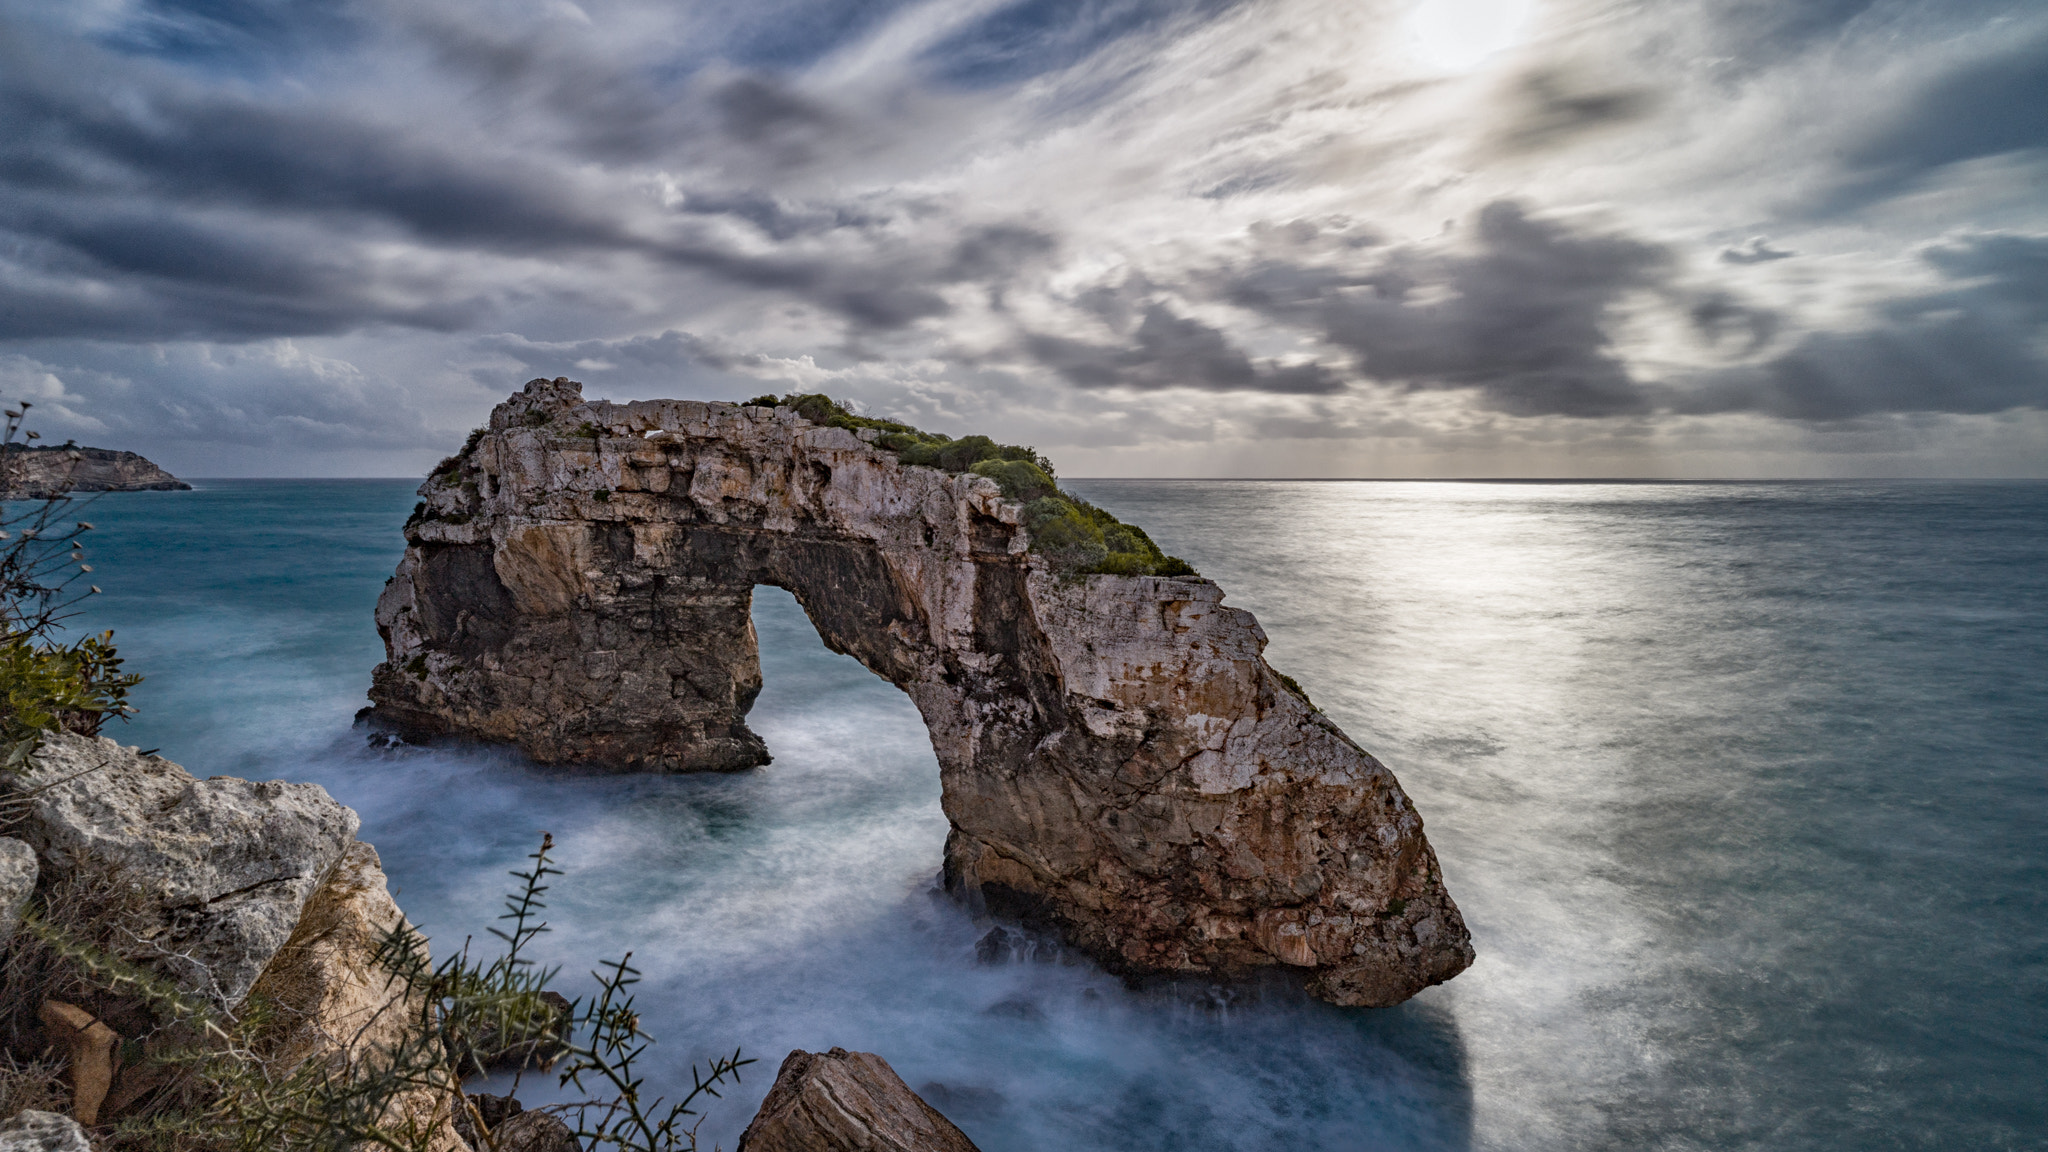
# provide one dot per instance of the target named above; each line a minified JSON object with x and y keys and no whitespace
{"x":35,"y":473}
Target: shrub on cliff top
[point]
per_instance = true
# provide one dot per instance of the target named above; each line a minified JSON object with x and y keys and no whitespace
{"x":1076,"y":536}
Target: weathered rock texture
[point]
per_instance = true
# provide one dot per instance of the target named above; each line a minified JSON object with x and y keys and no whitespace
{"x":218,"y":870}
{"x":33,"y":473}
{"x":229,"y":887}
{"x":17,"y":882}
{"x":33,"y":1131}
{"x":842,"y":1101}
{"x":1117,"y":758}
{"x":334,"y":1003}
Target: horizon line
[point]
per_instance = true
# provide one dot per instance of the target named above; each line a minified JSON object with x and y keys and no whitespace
{"x":1366,"y":479}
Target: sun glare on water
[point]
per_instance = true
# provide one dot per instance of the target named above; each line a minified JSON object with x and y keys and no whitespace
{"x":1459,"y":35}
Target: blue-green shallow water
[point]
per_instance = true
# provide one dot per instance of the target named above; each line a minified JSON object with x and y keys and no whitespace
{"x":1742,"y":788}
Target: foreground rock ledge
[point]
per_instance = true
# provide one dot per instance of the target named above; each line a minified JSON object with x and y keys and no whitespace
{"x":1118,"y":761}
{"x":842,"y":1101}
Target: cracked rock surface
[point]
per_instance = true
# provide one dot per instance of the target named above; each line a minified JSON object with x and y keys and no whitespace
{"x":1118,"y":761}
{"x":206,"y":877}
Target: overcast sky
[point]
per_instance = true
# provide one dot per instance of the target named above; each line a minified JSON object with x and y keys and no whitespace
{"x":1153,"y":238}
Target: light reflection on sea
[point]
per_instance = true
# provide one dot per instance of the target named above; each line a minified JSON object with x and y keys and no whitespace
{"x":1740,"y":787}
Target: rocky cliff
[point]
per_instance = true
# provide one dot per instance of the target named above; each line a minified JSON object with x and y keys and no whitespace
{"x":35,"y":473}
{"x":1118,"y":760}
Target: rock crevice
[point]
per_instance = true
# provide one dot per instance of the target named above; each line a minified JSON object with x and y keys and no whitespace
{"x":1118,"y":760}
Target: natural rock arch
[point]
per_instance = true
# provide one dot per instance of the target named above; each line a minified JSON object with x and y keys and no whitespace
{"x":1117,"y":760}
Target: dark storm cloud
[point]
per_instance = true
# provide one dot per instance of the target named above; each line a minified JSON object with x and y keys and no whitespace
{"x":1525,"y":322}
{"x":1521,"y":320}
{"x":1170,"y":351}
{"x":263,"y":217}
{"x":1979,"y":346}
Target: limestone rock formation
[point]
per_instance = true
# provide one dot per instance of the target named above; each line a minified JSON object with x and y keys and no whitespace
{"x":33,"y":1131}
{"x":842,"y":1101}
{"x":1118,"y":760}
{"x":17,"y":882}
{"x":222,"y":868}
{"x":34,"y":473}
{"x":227,"y":886}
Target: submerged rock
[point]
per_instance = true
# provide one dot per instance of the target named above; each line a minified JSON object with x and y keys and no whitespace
{"x":1118,"y":761}
{"x":842,"y":1101}
{"x":209,"y":877}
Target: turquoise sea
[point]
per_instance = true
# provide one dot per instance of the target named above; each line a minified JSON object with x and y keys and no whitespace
{"x":1743,"y":789}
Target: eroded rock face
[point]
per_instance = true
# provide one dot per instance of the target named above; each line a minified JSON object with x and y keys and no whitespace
{"x":842,"y":1101}
{"x":211,"y":875}
{"x":1118,"y":760}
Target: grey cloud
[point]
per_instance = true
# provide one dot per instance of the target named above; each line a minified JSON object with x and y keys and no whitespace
{"x":1757,"y":251}
{"x":1551,"y":107}
{"x":185,"y":401}
{"x":1521,"y":321}
{"x":175,"y":211}
{"x":1972,"y":348}
{"x":631,"y":360}
{"x":1720,"y":317}
{"x":1172,"y":351}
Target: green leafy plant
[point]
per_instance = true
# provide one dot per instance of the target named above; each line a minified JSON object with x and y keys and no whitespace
{"x":46,"y":684}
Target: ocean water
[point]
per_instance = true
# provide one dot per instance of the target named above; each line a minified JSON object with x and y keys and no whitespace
{"x":1743,"y":789}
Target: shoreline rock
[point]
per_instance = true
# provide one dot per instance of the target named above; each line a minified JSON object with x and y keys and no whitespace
{"x":229,"y":888}
{"x":212,"y":874}
{"x":35,"y":473}
{"x":1118,"y":761}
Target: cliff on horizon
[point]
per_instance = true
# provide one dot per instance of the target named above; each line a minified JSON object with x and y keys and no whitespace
{"x":37,"y":473}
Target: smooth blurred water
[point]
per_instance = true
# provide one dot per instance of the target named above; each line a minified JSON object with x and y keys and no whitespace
{"x":1742,"y":788}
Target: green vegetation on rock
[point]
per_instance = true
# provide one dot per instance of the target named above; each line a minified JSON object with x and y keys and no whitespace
{"x":1076,"y":536}
{"x":47,"y":685}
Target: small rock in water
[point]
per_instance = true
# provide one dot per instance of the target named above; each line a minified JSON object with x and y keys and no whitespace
{"x":993,"y":948}
{"x":1015,"y":1008}
{"x":535,"y":1132}
{"x":33,"y":1131}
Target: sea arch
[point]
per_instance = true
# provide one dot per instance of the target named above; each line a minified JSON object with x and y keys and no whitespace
{"x":1117,"y":761}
